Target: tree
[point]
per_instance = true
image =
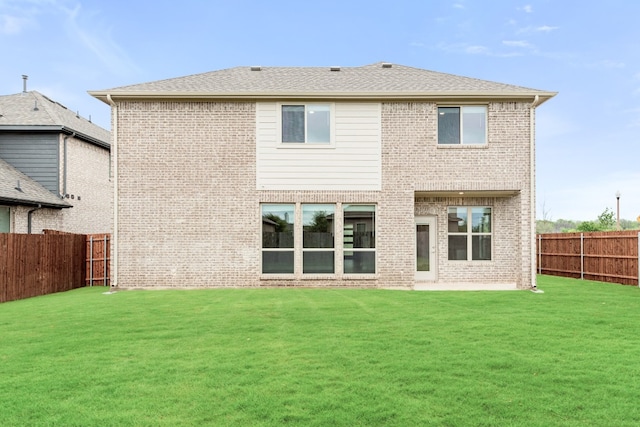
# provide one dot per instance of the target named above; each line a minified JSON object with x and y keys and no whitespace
{"x":320,"y":223}
{"x":607,"y":220}
{"x":587,"y":226}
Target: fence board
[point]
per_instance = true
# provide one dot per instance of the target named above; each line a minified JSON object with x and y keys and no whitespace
{"x":603,"y":256}
{"x":38,"y":264}
{"x":98,"y":259}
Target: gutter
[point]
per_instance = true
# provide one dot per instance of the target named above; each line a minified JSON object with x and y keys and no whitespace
{"x":65,"y":158}
{"x":107,"y":97}
{"x":29,"y":215}
{"x":56,"y":128}
{"x":532,"y":188}
{"x":114,"y":153}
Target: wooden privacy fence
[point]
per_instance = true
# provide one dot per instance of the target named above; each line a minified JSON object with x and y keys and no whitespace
{"x":98,"y":259}
{"x":39,"y":264}
{"x":612,"y":256}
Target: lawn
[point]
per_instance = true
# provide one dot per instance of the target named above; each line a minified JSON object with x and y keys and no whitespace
{"x":268,"y":357}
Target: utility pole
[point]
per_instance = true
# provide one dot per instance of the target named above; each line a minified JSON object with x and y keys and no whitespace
{"x":618,"y":210}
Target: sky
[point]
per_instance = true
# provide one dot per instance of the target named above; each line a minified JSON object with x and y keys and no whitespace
{"x":587,"y":142}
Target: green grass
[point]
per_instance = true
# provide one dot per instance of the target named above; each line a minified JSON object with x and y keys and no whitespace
{"x":261,"y":357}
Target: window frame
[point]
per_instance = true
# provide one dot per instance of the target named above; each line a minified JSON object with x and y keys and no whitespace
{"x":338,"y":250}
{"x":305,"y":143}
{"x":312,"y":249}
{"x":469,"y":234}
{"x":264,"y":249}
{"x":353,"y":250}
{"x":461,"y":108}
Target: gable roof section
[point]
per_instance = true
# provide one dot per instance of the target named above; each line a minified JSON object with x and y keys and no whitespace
{"x":33,"y":111}
{"x":375,"y":81}
{"x":17,"y":188}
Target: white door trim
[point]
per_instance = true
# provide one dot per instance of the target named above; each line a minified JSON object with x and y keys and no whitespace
{"x":432,"y":274}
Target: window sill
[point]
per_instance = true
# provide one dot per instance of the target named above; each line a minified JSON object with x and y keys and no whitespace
{"x":277,"y":277}
{"x":318,"y":277}
{"x":462,"y":146}
{"x":360,"y":276}
{"x":304,"y":146}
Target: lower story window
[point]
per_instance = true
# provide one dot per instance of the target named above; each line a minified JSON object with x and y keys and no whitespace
{"x":318,"y":253}
{"x":359,"y":239}
{"x":317,"y":249}
{"x":277,"y":239}
{"x":469,"y":233}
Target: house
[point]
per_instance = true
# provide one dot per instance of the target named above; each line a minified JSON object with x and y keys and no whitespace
{"x":381,"y":176}
{"x":55,"y":168}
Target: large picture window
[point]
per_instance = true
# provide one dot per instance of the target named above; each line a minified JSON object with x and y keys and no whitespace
{"x":277,"y":239}
{"x":465,"y":125}
{"x":469,"y":233}
{"x":359,"y":239}
{"x":300,"y":239}
{"x":318,"y":254}
{"x":306,"y":123}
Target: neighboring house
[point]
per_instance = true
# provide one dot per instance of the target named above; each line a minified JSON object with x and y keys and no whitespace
{"x":57,"y":168}
{"x":376,"y":176}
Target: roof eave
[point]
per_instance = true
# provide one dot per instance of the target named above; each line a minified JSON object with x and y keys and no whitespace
{"x":33,"y":203}
{"x":57,"y":128}
{"x":444,"y":95}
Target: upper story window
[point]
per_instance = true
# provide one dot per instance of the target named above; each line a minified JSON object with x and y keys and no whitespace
{"x":465,"y":125}
{"x":306,"y":123}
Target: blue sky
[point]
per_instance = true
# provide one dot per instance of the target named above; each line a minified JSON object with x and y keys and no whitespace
{"x":587,"y":136}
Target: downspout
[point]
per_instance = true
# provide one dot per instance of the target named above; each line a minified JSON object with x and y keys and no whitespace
{"x":114,"y":153}
{"x":29,"y":214}
{"x":65,"y":158}
{"x":532,"y":188}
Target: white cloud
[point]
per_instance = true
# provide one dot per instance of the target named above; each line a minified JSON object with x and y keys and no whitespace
{"x":528,"y":8}
{"x":458,"y":6}
{"x":477,"y":50}
{"x":470,"y":49}
{"x":538,"y":29}
{"x":608,"y":63}
{"x":12,"y":24}
{"x":585,"y":199}
{"x":517,"y":43}
{"x":100,"y":43}
{"x":546,"y":28}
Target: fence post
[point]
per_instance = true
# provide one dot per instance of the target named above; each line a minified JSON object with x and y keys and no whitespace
{"x":581,"y":256}
{"x":539,"y":253}
{"x":104,"y":265}
{"x":90,"y":261}
{"x":639,"y":259}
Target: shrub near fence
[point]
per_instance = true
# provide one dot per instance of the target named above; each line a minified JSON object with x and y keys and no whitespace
{"x":603,"y":256}
{"x":39,"y":264}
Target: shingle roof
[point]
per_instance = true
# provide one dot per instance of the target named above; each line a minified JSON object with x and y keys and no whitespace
{"x":17,"y":188}
{"x":376,"y":80}
{"x":36,"y":110}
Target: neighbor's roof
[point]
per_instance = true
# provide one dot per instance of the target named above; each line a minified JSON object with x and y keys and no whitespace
{"x":34,"y":111}
{"x":375,"y":81}
{"x":17,"y":188}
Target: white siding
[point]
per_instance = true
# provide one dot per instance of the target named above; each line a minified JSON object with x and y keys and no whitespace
{"x":351,"y":163}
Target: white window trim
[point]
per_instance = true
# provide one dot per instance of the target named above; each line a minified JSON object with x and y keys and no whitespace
{"x":469,"y":235}
{"x":338,"y":247}
{"x":306,"y":145}
{"x":461,"y":125}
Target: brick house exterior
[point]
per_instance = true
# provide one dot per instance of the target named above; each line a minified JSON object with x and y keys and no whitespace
{"x":56,"y":166}
{"x":371,"y":191}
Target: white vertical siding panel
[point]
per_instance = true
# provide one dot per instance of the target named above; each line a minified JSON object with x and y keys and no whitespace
{"x":354,"y":163}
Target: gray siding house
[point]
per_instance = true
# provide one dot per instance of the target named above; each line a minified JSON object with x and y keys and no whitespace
{"x":55,"y":167}
{"x":381,"y":176}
